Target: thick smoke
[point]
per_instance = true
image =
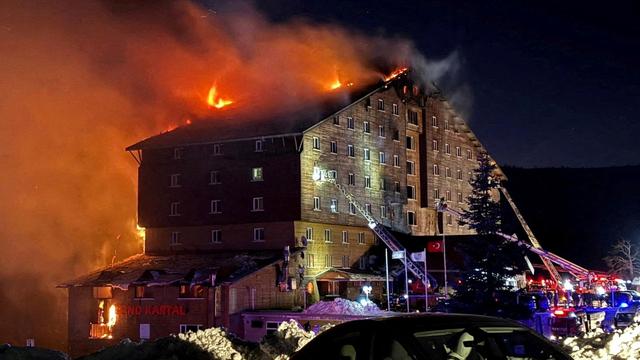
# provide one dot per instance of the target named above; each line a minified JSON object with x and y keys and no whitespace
{"x":82,"y":80}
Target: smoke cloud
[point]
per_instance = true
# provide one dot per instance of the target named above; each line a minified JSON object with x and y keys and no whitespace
{"x":82,"y":80}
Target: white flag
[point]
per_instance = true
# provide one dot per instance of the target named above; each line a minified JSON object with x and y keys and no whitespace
{"x":419,"y":256}
{"x":397,"y":254}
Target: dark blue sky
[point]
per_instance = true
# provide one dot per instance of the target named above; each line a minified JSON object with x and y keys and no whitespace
{"x":553,"y":84}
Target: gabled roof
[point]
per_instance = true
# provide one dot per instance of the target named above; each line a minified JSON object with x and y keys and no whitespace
{"x":156,"y":270}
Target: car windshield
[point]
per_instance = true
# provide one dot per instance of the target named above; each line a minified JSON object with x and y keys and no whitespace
{"x":511,"y":343}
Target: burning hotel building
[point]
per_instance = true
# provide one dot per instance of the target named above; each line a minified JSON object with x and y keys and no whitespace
{"x":236,"y":221}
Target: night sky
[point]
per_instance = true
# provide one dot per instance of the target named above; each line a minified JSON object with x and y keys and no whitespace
{"x":548,"y":84}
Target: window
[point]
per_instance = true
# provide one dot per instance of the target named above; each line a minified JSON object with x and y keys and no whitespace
{"x":436,"y":194}
{"x":396,"y":160}
{"x":185,"y":328}
{"x":176,"y":238}
{"x":316,"y":143}
{"x":447,"y":172}
{"x":396,"y":135}
{"x":334,"y":205}
{"x":459,"y":174}
{"x":327,"y":235}
{"x":309,"y":234}
{"x":174,"y":180}
{"x":380,"y":104}
{"x":410,"y":143}
{"x":411,"y":218}
{"x":345,"y":261}
{"x":311,"y":262}
{"x":394,"y":109}
{"x":187,"y":291}
{"x":446,"y":124}
{"x":214,"y":177}
{"x":351,"y":124}
{"x":328,"y":261}
{"x":216,"y":236}
{"x":259,"y":146}
{"x":258,"y":204}
{"x":345,"y":237}
{"x":336,"y":120}
{"x":362,"y":262}
{"x":352,"y":208}
{"x":434,"y":121}
{"x":332,"y":174}
{"x":411,"y":168}
{"x":367,"y":182}
{"x":447,"y":195}
{"x":469,"y":154}
{"x":175,"y":209}
{"x":145,"y":331}
{"x":334,"y":147}
{"x":396,"y":186}
{"x":366,"y":127}
{"x":215,"y":207}
{"x":367,"y":155}
{"x":383,"y":211}
{"x":382,"y":132}
{"x":316,"y":203}
{"x":352,"y":179}
{"x":449,"y":220}
{"x":383,"y":158}
{"x":256,"y":174}
{"x":447,"y":149}
{"x":460,"y":198}
{"x":367,"y":208}
{"x":143,"y":292}
{"x":436,"y":169}
{"x":383,"y":184}
{"x":258,"y":234}
{"x":350,"y":151}
{"x":412,"y":117}
{"x":411,"y":192}
{"x":178,"y":153}
{"x":361,"y":238}
{"x":458,"y":151}
{"x":217,"y":149}
{"x":434,"y":145}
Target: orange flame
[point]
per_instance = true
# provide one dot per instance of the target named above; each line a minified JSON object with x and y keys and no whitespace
{"x":396,"y":73}
{"x":112,"y":316}
{"x":336,"y":84}
{"x":215,"y":101}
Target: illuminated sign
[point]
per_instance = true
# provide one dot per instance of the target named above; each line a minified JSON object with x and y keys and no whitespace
{"x":152,"y":310}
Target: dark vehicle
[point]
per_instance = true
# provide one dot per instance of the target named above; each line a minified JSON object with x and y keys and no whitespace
{"x":627,"y":315}
{"x":568,"y":322}
{"x":430,"y":337}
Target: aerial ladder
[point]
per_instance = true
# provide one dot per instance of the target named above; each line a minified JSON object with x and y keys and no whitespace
{"x":381,"y":232}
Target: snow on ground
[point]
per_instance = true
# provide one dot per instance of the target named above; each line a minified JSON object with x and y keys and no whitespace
{"x":343,"y":307}
{"x":598,"y":345}
{"x":215,"y":341}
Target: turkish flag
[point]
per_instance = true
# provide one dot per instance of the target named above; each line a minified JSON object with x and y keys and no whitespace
{"x":435,"y":246}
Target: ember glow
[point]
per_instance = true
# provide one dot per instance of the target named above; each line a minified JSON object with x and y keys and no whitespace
{"x":112,"y":317}
{"x":214,"y":100}
{"x":396,"y":73}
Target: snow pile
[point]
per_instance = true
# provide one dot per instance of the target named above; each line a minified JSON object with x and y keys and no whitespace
{"x":289,"y":338}
{"x":216,"y":342}
{"x":343,"y":307}
{"x":617,"y":345}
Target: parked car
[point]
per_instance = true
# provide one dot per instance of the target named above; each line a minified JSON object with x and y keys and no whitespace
{"x":430,"y":336}
{"x":626,"y":315}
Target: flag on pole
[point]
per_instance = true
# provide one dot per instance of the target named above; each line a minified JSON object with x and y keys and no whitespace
{"x":435,"y":246}
{"x":397,"y":254}
{"x":419,"y":256}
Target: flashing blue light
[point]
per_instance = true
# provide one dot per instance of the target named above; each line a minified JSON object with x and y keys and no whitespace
{"x":624,"y":305}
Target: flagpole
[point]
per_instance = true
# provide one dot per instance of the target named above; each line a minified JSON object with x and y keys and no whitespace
{"x":426,"y":283}
{"x":406,"y":279}
{"x":386,"y":264}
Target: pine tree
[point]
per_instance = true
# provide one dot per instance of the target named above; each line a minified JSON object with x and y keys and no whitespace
{"x":489,"y":259}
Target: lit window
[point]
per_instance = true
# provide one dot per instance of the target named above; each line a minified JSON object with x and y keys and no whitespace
{"x":396,"y":160}
{"x":469,"y":154}
{"x":256,"y":174}
{"x":178,"y":153}
{"x":185,"y":328}
{"x":334,"y":205}
{"x":259,"y":146}
{"x":351,"y":124}
{"x":380,"y":104}
{"x":412,"y":117}
{"x":214,"y":177}
{"x":352,"y":208}
{"x":394,"y":109}
{"x":459,"y":174}
{"x":216,"y":207}
{"x":258,"y":234}
{"x":460,"y":198}
{"x":350,"y":151}
{"x":327,"y":235}
{"x":367,"y":155}
{"x":192,"y":292}
{"x":411,"y":218}
{"x":367,"y":208}
{"x":216,"y":236}
{"x":361,"y":238}
{"x":383,"y":158}
{"x":447,"y":172}
{"x":334,"y":147}
{"x":316,"y":203}
{"x":367,"y":182}
{"x":217,"y":149}
{"x":258,"y":204}
{"x":366,"y":127}
{"x":447,"y":195}
{"x":174,"y":209}
{"x":174,"y":180}
{"x":176,"y":238}
{"x":143,"y":292}
{"x":352,"y":179}
{"x":411,"y":168}
{"x":411,"y":192}
{"x":345,"y":237}
{"x":383,"y":211}
{"x":336,"y":120}
{"x":309,"y":234}
{"x":316,"y":143}
{"x":434,"y":121}
{"x":436,"y":169}
{"x":411,"y":143}
{"x":434,"y":145}
{"x":458,"y":151}
{"x":382,"y":132}
{"x":447,"y":149}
